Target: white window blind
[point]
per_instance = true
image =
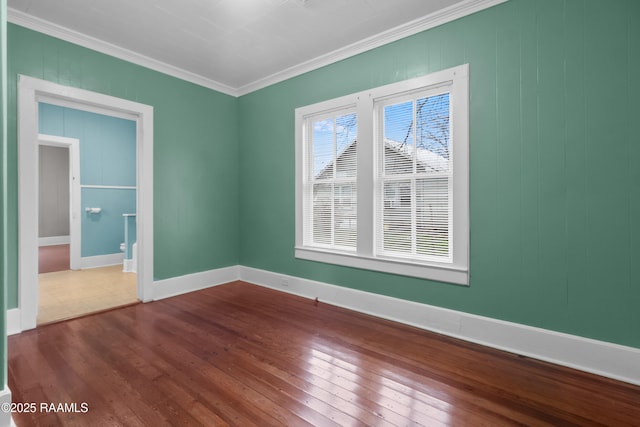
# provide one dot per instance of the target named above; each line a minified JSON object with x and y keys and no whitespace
{"x":330,"y":182}
{"x":414,"y":175}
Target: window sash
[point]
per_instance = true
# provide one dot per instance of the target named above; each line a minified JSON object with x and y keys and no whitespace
{"x":413,"y":219}
{"x":330,"y":215}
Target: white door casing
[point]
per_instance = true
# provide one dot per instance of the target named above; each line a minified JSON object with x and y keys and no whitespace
{"x":32,"y":91}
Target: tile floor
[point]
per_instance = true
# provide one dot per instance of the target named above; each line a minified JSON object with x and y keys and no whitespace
{"x":73,"y":293}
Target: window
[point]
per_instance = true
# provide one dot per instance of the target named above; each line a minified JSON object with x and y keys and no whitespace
{"x":331,"y":208}
{"x":414,"y":207}
{"x":382,"y":178}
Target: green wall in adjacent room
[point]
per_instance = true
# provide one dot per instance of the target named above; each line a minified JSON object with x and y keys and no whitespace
{"x":554,"y":176}
{"x":195,"y":151}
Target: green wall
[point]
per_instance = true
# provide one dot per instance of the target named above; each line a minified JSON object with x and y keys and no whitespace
{"x":195,"y":151}
{"x":555,"y":182}
{"x":555,"y":197}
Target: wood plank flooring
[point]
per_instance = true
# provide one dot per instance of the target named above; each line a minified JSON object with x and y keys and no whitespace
{"x":72,"y":293}
{"x":241,"y":355}
{"x":53,"y":258}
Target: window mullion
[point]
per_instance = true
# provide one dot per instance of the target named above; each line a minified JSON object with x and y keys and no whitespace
{"x":414,"y":191}
{"x":414,"y":232}
{"x":365,"y":176}
{"x":332,"y":217}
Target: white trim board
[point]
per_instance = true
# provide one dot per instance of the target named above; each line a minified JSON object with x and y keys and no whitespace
{"x":5,"y":416}
{"x":598,"y":357}
{"x":54,"y":240}
{"x":167,"y":288}
{"x":161,"y":289}
{"x":98,"y":261}
{"x":128,"y":266}
{"x":54,"y":30}
{"x":456,"y":11}
{"x":451,"y":13}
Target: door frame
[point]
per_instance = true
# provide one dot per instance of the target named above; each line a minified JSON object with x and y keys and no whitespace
{"x":75,"y":230}
{"x":32,"y":91}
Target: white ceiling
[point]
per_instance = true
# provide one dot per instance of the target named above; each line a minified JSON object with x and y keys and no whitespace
{"x":235,"y":46}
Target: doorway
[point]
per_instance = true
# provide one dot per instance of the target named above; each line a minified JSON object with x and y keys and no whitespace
{"x":58,"y":195}
{"x":32,"y":92}
{"x":65,"y":288}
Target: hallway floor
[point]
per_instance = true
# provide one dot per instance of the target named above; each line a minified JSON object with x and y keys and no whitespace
{"x":53,"y":258}
{"x":73,"y":293}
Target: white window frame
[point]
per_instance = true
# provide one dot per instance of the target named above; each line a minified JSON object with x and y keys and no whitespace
{"x":456,"y":271}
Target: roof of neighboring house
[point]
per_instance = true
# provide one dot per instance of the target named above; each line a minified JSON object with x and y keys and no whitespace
{"x":431,"y":161}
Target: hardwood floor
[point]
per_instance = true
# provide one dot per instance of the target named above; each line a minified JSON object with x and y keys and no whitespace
{"x":53,"y":258}
{"x":239,"y":354}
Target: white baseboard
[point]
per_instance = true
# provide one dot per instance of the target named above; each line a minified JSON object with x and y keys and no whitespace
{"x":101,"y":260}
{"x":162,"y":289}
{"x":5,"y":417}
{"x":598,"y":357}
{"x":193,"y":282}
{"x":54,"y":240}
{"x":13,"y":321}
{"x":128,"y":266}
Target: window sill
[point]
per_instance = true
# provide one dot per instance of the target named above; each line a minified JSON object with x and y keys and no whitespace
{"x":437,"y":272}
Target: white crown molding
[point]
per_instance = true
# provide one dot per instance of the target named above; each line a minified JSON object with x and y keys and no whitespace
{"x":14,"y":321}
{"x":432,"y":20}
{"x":427,"y":22}
{"x":40,"y":25}
{"x":53,"y":240}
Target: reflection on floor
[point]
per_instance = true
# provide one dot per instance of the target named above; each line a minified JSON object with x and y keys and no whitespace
{"x":67,"y":294}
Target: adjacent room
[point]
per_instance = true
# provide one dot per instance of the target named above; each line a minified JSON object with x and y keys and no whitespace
{"x":328,"y":212}
{"x":85,"y":159}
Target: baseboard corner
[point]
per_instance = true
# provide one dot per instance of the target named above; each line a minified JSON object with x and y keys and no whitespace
{"x":174,"y":286}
